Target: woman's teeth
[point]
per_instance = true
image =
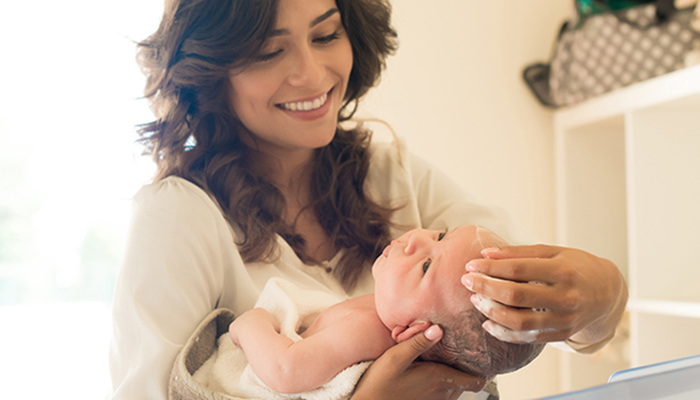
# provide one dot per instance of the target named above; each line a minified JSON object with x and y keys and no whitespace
{"x":306,"y":105}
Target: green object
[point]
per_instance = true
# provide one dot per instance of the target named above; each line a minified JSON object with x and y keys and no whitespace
{"x":591,"y":7}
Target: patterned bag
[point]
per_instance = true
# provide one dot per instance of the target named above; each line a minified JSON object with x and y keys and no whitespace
{"x":610,"y":50}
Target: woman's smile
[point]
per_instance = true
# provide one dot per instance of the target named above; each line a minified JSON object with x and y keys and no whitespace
{"x":308,"y":109}
{"x":307,"y":104}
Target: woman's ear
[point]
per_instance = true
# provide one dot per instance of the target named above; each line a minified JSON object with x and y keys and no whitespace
{"x":401,"y":333}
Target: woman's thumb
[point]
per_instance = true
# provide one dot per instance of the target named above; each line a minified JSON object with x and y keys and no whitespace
{"x":412,"y":348}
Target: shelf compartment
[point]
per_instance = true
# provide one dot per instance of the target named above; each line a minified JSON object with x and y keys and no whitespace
{"x":591,"y":175}
{"x":658,"y":338}
{"x":663,"y":163}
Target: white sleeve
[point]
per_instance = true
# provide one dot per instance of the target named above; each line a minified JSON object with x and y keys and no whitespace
{"x":171,"y":277}
{"x":443,"y":204}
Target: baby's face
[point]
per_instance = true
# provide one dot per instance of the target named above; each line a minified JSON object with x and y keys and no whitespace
{"x":420,"y":272}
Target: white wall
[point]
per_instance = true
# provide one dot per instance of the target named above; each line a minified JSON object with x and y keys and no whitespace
{"x":454,"y":91}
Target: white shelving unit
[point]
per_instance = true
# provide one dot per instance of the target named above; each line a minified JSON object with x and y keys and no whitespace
{"x":628,"y":189}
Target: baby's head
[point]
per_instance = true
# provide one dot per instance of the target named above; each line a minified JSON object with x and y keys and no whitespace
{"x":418,"y":279}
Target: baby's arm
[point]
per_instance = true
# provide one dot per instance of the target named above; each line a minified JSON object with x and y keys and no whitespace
{"x":289,"y":367}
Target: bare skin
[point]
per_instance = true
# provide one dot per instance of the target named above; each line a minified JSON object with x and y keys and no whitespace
{"x":289,"y":367}
{"x":416,"y":275}
{"x":394,"y":374}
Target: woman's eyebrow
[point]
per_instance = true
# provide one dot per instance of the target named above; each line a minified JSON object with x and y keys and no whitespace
{"x":316,"y":21}
{"x":323,"y":17}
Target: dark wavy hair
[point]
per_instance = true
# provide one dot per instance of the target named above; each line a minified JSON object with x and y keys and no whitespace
{"x":196,"y":136}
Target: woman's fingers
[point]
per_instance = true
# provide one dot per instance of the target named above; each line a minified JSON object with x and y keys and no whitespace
{"x":409,"y":350}
{"x":396,"y":374}
{"x":533,"y":251}
{"x":514,"y":264}
{"x":529,"y":295}
{"x":452,"y":379}
{"x":522,"y":325}
{"x":546,"y":293}
{"x":502,"y":333}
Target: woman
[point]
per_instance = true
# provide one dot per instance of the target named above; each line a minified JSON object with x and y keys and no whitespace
{"x":257,"y":179}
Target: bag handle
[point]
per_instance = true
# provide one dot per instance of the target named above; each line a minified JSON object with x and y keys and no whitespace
{"x":664,"y":10}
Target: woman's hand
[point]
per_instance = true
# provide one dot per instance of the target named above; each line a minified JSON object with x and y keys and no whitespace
{"x":535,"y":294}
{"x":396,"y":374}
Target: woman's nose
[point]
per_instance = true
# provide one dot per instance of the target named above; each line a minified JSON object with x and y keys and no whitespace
{"x":308,"y":69}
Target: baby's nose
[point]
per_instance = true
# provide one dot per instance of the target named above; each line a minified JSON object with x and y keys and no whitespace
{"x":414,"y":242}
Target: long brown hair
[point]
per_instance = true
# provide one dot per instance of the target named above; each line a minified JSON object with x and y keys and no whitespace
{"x":196,"y":136}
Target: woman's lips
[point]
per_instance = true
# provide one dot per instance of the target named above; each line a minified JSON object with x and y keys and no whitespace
{"x":306,"y":105}
{"x":308,"y":109}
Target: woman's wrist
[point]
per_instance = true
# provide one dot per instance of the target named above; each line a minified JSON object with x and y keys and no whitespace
{"x":595,"y":336}
{"x":589,"y":347}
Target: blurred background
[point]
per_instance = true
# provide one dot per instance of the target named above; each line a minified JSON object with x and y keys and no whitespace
{"x":68,"y":168}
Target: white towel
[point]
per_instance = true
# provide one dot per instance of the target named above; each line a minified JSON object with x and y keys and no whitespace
{"x":228,"y":371}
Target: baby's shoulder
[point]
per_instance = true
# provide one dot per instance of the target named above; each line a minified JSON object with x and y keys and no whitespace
{"x":353,"y":309}
{"x":362,"y":328}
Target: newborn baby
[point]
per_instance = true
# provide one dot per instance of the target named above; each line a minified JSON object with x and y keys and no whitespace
{"x":417,"y":279}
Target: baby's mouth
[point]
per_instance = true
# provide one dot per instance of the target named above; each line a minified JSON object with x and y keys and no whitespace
{"x":385,"y":253}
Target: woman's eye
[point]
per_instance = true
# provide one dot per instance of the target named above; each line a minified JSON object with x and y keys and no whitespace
{"x":268,"y":56}
{"x":441,"y":235}
{"x":328,"y":38}
{"x":426,"y":265}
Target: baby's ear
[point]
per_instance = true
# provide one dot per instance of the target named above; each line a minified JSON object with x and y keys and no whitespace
{"x":397,"y":331}
{"x":401,"y":333}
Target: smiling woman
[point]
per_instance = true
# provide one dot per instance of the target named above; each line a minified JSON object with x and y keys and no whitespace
{"x":254,"y":182}
{"x":292,"y":96}
{"x":67,"y":171}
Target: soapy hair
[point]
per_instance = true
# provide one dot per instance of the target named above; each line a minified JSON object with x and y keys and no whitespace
{"x":465,"y":344}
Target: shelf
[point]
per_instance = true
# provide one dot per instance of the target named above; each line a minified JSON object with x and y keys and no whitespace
{"x":628,"y":189}
{"x":663,"y":307}
{"x":663,"y":178}
{"x":676,"y":88}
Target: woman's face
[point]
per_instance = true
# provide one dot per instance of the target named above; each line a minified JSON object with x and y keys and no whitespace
{"x":289,"y":98}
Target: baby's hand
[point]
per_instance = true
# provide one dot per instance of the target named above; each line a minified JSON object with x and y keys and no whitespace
{"x":250,"y":322}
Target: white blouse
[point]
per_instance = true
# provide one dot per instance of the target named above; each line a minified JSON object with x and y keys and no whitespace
{"x":181,"y":261}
